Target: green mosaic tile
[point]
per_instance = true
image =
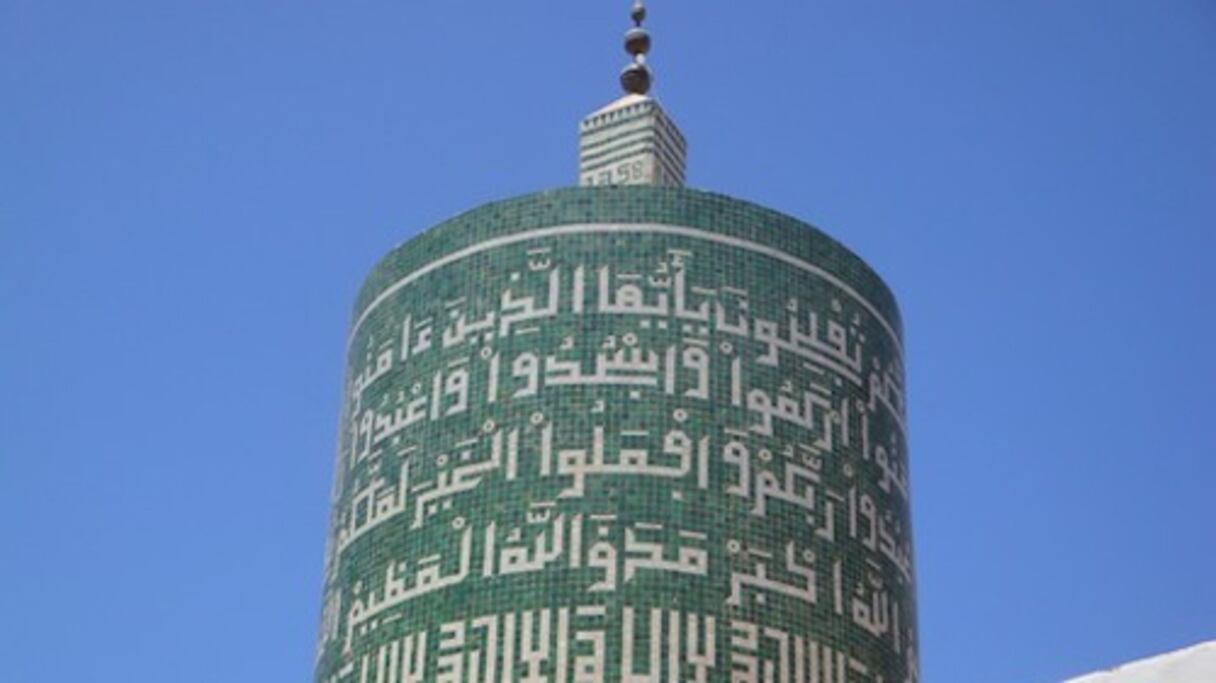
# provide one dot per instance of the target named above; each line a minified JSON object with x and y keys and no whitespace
{"x":621,"y":434}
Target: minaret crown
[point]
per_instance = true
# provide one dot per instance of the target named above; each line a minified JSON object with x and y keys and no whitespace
{"x":632,"y":141}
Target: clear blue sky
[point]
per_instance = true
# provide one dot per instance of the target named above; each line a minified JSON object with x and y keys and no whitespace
{"x":191,"y":192}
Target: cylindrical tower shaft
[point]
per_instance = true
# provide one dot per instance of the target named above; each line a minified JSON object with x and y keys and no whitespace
{"x":622,"y":434}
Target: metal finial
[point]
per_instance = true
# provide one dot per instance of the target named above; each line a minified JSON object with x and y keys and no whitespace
{"x":636,"y":77}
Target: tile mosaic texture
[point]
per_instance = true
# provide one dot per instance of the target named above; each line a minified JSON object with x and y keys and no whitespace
{"x":621,"y":434}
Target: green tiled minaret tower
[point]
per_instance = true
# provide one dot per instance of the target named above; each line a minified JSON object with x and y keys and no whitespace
{"x":626,"y":431}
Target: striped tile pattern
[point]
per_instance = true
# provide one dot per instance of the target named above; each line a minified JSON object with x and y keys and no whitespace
{"x":631,"y":142}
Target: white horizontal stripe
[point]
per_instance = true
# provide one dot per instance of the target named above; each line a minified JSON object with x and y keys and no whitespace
{"x":631,"y":125}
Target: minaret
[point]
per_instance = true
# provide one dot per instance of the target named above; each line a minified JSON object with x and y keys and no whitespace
{"x":632,"y":141}
{"x":629,"y":432}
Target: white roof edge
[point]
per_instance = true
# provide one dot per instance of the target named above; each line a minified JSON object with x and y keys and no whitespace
{"x":1194,"y":664}
{"x":631,"y":98}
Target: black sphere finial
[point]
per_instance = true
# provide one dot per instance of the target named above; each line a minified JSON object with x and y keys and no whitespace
{"x":636,"y":77}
